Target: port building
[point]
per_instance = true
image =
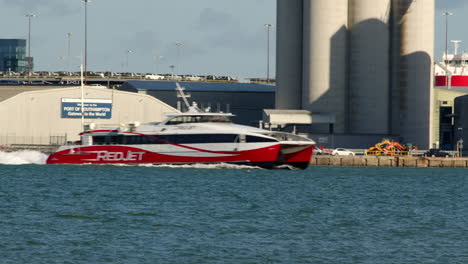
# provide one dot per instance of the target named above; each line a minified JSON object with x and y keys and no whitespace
{"x":368,"y":64}
{"x":52,"y":115}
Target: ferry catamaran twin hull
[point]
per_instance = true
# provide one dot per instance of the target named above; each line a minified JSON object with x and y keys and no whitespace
{"x":186,"y":138}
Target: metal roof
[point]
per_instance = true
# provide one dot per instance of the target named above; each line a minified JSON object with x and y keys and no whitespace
{"x":202,"y":86}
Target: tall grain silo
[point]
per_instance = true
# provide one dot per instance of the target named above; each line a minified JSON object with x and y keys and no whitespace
{"x":325,"y":59}
{"x":289,"y":54}
{"x":415,"y":70}
{"x":369,"y":66}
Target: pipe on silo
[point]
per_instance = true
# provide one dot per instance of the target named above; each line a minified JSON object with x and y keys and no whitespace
{"x":415,"y":71}
{"x":289,"y":54}
{"x":325,"y":59}
{"x":369,"y":66}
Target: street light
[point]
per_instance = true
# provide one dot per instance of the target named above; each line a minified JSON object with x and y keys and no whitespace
{"x":156,"y":59}
{"x":460,"y":142}
{"x":86,"y":39}
{"x":172,"y":71}
{"x":29,"y":16}
{"x":179,"y":46}
{"x":69,"y":36}
{"x":446,"y":14}
{"x":268,"y":26}
{"x":126,"y":63}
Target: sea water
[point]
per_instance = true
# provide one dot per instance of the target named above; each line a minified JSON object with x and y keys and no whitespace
{"x":226,"y":214}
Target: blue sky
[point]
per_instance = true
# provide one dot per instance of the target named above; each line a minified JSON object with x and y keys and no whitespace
{"x":222,"y":37}
{"x":457,"y":25}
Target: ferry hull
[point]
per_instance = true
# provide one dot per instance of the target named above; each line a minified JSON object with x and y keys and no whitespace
{"x":267,"y":157}
{"x":133,"y":155}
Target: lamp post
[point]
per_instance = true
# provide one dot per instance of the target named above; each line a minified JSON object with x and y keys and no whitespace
{"x":172,"y":71}
{"x":179,"y":46}
{"x":460,"y":142}
{"x":446,"y":14}
{"x":156,"y":59}
{"x":86,"y":39}
{"x":268,"y":26}
{"x":29,"y":16}
{"x":69,"y":36}
{"x":126,"y":62}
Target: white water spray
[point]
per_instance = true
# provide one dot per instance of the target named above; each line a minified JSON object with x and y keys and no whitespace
{"x":22,"y":157}
{"x":191,"y":166}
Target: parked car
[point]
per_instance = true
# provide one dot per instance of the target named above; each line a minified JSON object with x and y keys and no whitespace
{"x":343,"y":152}
{"x":154,"y":77}
{"x":317,"y":151}
{"x":436,"y":153}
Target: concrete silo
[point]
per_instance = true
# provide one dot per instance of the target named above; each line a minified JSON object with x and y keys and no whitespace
{"x":415,"y":70}
{"x":325,"y":59}
{"x":289,"y":55}
{"x":369,"y":66}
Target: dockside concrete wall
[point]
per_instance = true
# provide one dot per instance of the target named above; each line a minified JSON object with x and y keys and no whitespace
{"x":375,"y":161}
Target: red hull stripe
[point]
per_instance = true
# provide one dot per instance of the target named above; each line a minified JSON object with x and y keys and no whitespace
{"x":124,"y":154}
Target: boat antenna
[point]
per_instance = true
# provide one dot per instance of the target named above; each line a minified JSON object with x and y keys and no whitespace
{"x":180,"y":93}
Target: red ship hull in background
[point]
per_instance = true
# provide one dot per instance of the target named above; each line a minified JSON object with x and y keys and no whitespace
{"x":453,"y":70}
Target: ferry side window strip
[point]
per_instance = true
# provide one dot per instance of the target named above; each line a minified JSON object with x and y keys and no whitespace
{"x":174,"y":139}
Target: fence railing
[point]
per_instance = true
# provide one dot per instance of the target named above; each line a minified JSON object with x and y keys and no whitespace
{"x":11,"y":139}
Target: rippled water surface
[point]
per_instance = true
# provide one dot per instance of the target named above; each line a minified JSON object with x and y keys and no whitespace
{"x":89,"y":214}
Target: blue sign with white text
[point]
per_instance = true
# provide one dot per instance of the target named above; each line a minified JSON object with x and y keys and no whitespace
{"x":93,"y":108}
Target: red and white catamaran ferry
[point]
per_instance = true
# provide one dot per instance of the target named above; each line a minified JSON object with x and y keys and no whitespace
{"x":186,"y":138}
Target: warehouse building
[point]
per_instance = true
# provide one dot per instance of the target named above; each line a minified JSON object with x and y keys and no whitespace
{"x":52,"y":115}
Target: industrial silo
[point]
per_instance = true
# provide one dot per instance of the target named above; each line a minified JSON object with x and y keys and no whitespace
{"x":415,"y":70}
{"x":289,"y":54}
{"x":369,"y":66}
{"x":325,"y":59}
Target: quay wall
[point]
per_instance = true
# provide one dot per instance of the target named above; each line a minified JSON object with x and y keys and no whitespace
{"x":385,"y":161}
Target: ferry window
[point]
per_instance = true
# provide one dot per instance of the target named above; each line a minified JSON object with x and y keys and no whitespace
{"x":171,"y":139}
{"x":221,"y":119}
{"x":251,"y":139}
{"x":202,"y":138}
{"x":199,"y":119}
{"x":99,"y":140}
{"x":108,"y":140}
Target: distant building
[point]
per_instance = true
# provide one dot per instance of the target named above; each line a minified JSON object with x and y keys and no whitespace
{"x":13,"y":55}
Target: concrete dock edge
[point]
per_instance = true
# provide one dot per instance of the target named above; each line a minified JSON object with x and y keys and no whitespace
{"x":388,"y":161}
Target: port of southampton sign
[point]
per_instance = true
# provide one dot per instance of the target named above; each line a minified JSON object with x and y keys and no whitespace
{"x":93,"y":108}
